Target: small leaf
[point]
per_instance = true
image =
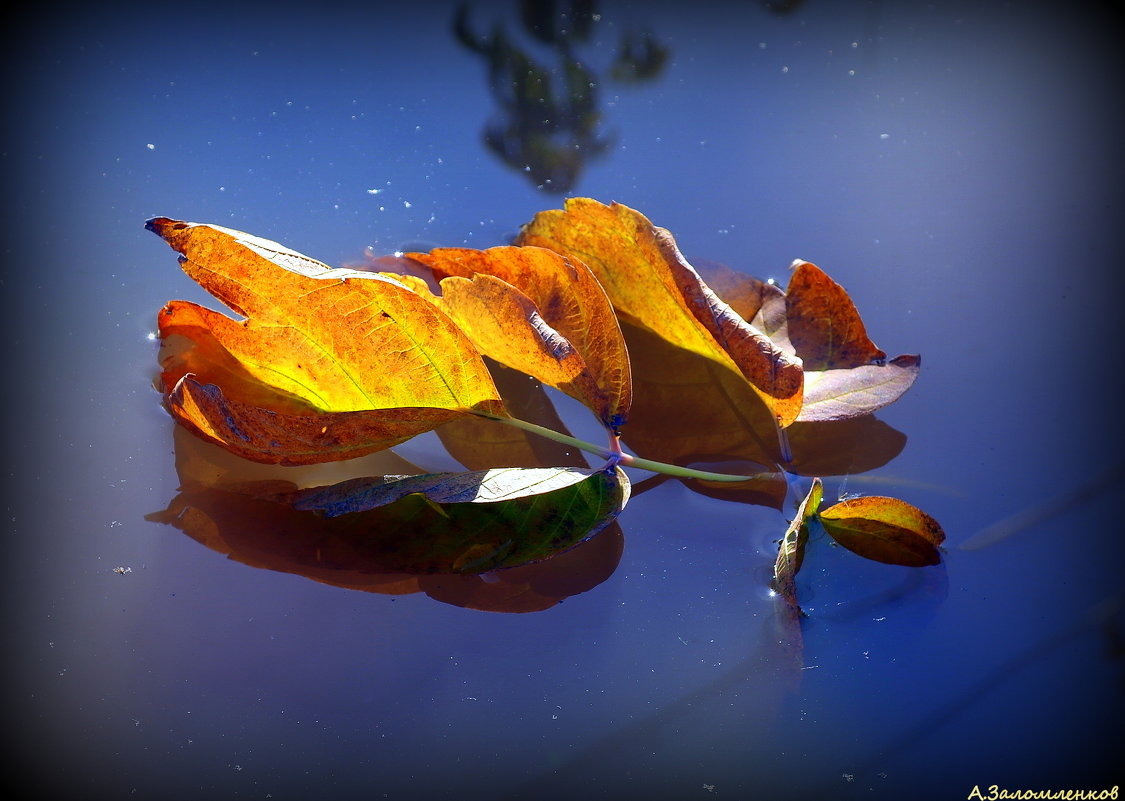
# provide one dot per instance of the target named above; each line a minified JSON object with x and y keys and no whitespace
{"x":649,"y":282}
{"x":317,"y":341}
{"x":885,"y":530}
{"x":847,"y":393}
{"x":536,"y":311}
{"x":824,"y":325}
{"x":791,"y":551}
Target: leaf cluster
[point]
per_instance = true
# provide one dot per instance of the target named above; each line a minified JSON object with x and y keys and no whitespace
{"x":327,"y":364}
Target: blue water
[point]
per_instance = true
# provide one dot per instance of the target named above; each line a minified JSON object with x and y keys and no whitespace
{"x":955,"y":167}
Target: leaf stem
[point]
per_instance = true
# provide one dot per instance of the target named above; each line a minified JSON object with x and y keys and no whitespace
{"x":616,"y":454}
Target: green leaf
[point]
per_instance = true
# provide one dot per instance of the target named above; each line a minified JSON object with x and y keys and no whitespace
{"x":791,"y":551}
{"x":885,"y":530}
{"x":464,"y":523}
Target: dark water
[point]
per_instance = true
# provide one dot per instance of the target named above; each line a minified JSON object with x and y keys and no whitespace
{"x":956,"y":167}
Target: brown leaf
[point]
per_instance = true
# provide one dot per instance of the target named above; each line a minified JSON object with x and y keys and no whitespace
{"x":760,"y":303}
{"x":649,"y":282}
{"x":852,"y":392}
{"x":542,"y":313}
{"x":824,"y":325}
{"x":885,"y":530}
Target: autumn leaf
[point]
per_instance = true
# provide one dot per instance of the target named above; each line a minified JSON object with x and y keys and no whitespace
{"x":317,"y":343}
{"x":885,"y":530}
{"x":478,"y":443}
{"x":760,"y":303}
{"x":791,"y":551}
{"x":542,"y":313}
{"x":837,"y":395}
{"x":263,"y":435}
{"x":823,"y":323}
{"x":846,"y":374}
{"x":650,"y":283}
{"x":690,"y":410}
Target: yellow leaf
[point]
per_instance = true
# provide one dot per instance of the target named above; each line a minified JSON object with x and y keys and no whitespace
{"x":543,"y":314}
{"x":650,"y":283}
{"x":885,"y":530}
{"x":264,"y":435}
{"x":316,"y":342}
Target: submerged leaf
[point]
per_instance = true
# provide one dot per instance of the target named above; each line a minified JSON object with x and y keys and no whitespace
{"x":885,"y":530}
{"x":317,"y":342}
{"x":537,"y":311}
{"x":232,"y":506}
{"x":791,"y":551}
{"x":464,"y":523}
{"x":649,"y":282}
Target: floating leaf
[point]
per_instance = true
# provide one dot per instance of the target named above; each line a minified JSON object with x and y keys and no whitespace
{"x":691,"y":410}
{"x":885,"y":530}
{"x":760,"y":303}
{"x":649,"y":282}
{"x":317,"y":342}
{"x":263,"y":435}
{"x":847,"y":393}
{"x":823,"y":323}
{"x":464,"y":523}
{"x":537,"y":311}
{"x":791,"y":551}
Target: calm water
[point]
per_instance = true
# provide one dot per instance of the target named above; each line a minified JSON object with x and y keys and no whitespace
{"x":955,"y":167}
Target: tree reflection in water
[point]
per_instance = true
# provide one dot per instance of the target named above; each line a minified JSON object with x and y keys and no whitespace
{"x":548,"y":119}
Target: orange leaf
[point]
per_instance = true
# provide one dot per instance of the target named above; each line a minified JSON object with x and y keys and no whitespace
{"x":885,"y":530}
{"x":274,"y":437}
{"x":649,"y":282}
{"x":543,"y":314}
{"x":824,"y":325}
{"x":317,"y":342}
